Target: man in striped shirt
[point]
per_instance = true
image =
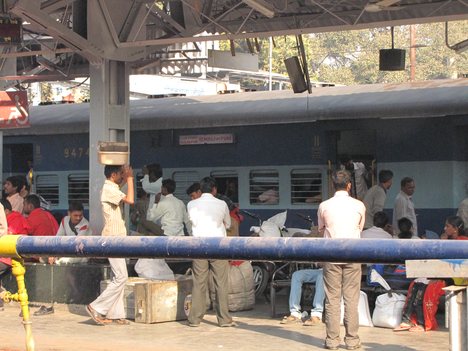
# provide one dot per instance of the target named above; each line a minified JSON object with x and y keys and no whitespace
{"x":109,"y":306}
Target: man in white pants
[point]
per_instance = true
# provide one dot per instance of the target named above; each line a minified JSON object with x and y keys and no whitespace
{"x":109,"y":306}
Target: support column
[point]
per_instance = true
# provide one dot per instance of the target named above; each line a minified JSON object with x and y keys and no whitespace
{"x":109,"y":121}
{"x":8,"y":68}
{"x":456,"y":313}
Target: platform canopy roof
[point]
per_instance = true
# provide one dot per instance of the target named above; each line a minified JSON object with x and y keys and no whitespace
{"x":72,"y":33}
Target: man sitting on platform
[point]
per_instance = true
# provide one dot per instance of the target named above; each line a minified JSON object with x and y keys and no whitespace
{"x":41,"y":222}
{"x":75,"y":224}
{"x":298,"y":278}
{"x":381,"y":229}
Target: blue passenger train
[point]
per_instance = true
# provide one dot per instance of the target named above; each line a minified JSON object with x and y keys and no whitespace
{"x":270,"y":151}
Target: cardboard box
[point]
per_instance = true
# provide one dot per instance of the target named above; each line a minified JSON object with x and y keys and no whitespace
{"x":161,"y":300}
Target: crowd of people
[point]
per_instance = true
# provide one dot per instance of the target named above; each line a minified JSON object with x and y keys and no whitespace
{"x":25,"y":213}
{"x":159,"y":212}
{"x":344,"y":216}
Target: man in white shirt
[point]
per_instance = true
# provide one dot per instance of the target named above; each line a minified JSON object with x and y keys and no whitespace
{"x":152,"y":182}
{"x":169,"y":211}
{"x":341,"y":217}
{"x":75,"y":224}
{"x":12,"y":187}
{"x":210,"y":218}
{"x":404,"y":206}
{"x":358,"y":173}
{"x":463,"y":212}
{"x":374,"y":200}
{"x":381,"y":229}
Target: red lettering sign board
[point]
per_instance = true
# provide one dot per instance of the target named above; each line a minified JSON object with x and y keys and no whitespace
{"x":206,"y":139}
{"x":14,"y":109}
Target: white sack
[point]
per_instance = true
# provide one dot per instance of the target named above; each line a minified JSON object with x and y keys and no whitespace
{"x":388,"y":310}
{"x":365,"y":319}
{"x":153,"y":268}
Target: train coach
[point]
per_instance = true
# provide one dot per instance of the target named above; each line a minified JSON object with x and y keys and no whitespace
{"x":269,"y":151}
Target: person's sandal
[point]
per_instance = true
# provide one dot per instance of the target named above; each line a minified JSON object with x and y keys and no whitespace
{"x":416,"y":328}
{"x":402,"y":327}
{"x":43,"y":310}
{"x":312,"y":321}
{"x":96,"y":317}
{"x":290,"y":319}
{"x":120,"y":321}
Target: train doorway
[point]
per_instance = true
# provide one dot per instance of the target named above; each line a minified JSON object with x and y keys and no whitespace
{"x":358,"y":146}
{"x":17,"y":158}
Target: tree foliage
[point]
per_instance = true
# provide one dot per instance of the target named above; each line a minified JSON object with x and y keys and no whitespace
{"x":47,"y":94}
{"x":352,"y":57}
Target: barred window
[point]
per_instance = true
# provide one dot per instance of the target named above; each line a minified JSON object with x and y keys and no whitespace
{"x":306,"y":186}
{"x":183,"y":180}
{"x":264,"y":187}
{"x":47,"y":185}
{"x":227,"y":182}
{"x":78,"y":188}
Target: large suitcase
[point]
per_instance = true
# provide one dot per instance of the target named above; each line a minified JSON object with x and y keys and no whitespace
{"x":161,"y":300}
{"x":129,"y":295}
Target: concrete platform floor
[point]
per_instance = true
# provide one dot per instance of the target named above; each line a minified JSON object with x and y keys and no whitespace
{"x":70,"y":329}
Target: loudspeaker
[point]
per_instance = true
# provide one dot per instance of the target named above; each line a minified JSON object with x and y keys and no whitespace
{"x":296,"y":75}
{"x":392,"y":60}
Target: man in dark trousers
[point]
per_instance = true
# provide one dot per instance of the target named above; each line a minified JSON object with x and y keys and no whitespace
{"x":210,"y":218}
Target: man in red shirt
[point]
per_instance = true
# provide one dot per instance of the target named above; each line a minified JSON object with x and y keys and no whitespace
{"x":41,"y":222}
{"x":15,"y":224}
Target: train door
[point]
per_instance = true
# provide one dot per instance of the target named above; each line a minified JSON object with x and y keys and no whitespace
{"x":17,"y":158}
{"x":460,"y":187}
{"x":360,"y":147}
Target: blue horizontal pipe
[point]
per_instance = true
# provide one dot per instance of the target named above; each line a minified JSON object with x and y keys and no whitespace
{"x":245,"y":248}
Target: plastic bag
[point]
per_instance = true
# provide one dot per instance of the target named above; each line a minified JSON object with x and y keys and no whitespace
{"x":379,"y":268}
{"x":279,"y":219}
{"x":388,"y":310}
{"x":365,"y":319}
{"x":156,"y":268}
{"x":272,"y":226}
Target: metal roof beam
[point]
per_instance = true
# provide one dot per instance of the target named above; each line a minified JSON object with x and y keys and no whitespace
{"x":29,"y":10}
{"x":292,"y":31}
{"x":53,"y":6}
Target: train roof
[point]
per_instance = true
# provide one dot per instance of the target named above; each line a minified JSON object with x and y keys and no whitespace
{"x":436,"y":98}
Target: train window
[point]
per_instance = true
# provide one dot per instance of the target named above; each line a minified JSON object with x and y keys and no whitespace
{"x":306,"y":186}
{"x":183,"y":180}
{"x":264,"y":187}
{"x":78,"y":188}
{"x":47,"y":185}
{"x":227,"y":182}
